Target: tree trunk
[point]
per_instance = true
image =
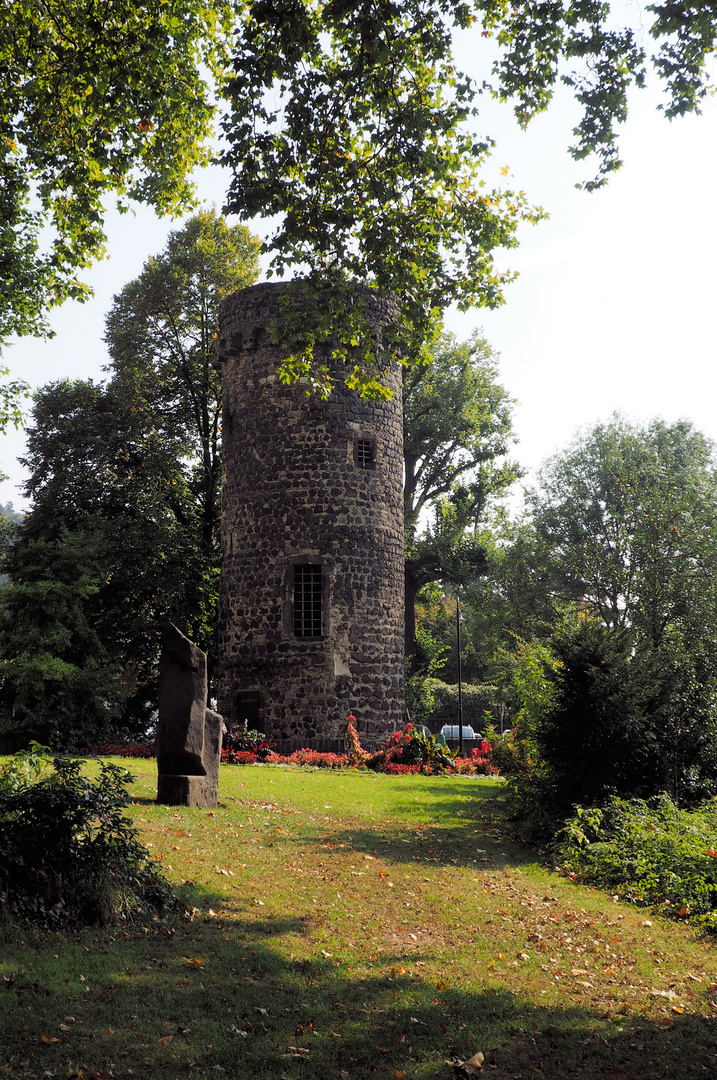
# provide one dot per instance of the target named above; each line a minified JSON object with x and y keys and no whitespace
{"x":412,"y":587}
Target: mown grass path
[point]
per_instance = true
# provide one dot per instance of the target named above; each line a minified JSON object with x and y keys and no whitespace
{"x":354,"y":925}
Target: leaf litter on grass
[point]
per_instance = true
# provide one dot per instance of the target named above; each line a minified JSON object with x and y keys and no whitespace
{"x":315,"y":957}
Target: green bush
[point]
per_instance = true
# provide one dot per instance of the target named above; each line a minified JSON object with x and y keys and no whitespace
{"x":478,"y":699}
{"x":68,"y":854}
{"x":624,"y":720}
{"x":651,"y":853}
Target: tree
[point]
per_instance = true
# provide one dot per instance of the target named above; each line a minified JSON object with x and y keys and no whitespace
{"x":99,"y":99}
{"x":508,"y":607}
{"x":57,"y":682}
{"x":578,"y":43}
{"x":132,"y":466}
{"x":457,"y":430}
{"x":160,"y":334}
{"x":627,"y":718}
{"x":348,"y":120}
{"x":629,"y":515}
{"x":103,"y":481}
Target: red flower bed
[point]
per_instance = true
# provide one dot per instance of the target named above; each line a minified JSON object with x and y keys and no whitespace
{"x":475,"y":765}
{"x":388,"y":759}
{"x":238,"y":757}
{"x":299,"y":757}
{"x":394,"y":769}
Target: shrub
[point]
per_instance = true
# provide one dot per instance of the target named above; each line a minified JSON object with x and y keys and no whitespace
{"x":236,"y":744}
{"x":410,"y":746}
{"x":68,"y":854}
{"x":649,"y":852}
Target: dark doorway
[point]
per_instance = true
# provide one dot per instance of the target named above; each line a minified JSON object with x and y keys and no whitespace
{"x":249,"y":710}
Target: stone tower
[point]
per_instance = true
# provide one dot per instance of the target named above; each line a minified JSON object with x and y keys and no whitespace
{"x":312,"y":592}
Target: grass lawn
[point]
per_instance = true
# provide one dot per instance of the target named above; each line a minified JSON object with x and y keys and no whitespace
{"x":357,"y":925}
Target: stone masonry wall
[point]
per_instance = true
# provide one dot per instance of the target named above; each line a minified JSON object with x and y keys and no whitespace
{"x":293,"y":492}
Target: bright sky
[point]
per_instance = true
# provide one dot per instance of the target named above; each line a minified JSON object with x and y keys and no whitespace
{"x":614,"y":309}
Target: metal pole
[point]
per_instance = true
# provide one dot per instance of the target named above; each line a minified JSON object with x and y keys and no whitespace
{"x":460,"y":679}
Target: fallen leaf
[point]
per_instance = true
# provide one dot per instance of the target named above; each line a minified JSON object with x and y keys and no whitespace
{"x":50,"y":1039}
{"x":471,"y":1067}
{"x":165,"y":1040}
{"x":328,"y":955}
{"x":614,"y":1074}
{"x":665,"y":1022}
{"x":400,"y":1074}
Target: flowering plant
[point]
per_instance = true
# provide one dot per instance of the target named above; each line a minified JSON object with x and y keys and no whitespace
{"x":355,"y":751}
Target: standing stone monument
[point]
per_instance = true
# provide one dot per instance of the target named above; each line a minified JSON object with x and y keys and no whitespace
{"x":189,"y":735}
{"x":311,"y":602}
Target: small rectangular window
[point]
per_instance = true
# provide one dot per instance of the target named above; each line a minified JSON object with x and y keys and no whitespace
{"x":365,"y":449}
{"x":307,"y":600}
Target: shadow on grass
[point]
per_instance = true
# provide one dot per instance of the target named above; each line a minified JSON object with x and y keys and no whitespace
{"x":469,"y":841}
{"x":458,"y":846}
{"x":221,"y":997}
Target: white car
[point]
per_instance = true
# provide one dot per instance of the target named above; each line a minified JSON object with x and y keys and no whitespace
{"x":450,"y":731}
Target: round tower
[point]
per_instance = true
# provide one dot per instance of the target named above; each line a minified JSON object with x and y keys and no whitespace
{"x":312,"y":590}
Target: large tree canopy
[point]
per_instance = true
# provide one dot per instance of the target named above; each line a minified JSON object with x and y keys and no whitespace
{"x":99,"y":97}
{"x":348,"y":121}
